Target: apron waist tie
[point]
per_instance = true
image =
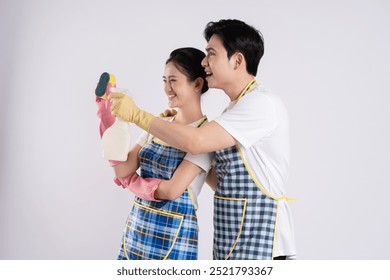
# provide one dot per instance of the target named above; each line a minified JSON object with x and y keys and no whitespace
{"x":287,"y":198}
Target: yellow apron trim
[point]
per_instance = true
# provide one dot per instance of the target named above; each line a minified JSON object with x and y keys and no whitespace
{"x":257,"y":183}
{"x":247,"y":89}
{"x":174,"y":240}
{"x":172,"y":212}
{"x":288,"y":198}
{"x":164,"y":214}
{"x":158,"y":211}
{"x":136,"y":254}
{"x":242,"y":221}
{"x":201,"y":122}
{"x":159,"y":164}
{"x":191,"y":197}
{"x":229,"y":198}
{"x":158,"y":141}
{"x":152,"y":235}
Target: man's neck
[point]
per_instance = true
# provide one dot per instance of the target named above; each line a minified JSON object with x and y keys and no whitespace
{"x":234,"y":90}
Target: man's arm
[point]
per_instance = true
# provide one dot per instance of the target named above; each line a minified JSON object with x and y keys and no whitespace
{"x":207,"y":138}
{"x":212,"y":179}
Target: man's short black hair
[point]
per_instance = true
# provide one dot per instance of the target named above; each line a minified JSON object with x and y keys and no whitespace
{"x":237,"y":36}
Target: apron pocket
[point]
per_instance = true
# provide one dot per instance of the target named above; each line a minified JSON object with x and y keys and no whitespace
{"x":229,"y":214}
{"x":150,"y":233}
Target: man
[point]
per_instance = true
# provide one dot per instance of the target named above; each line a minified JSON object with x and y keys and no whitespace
{"x":252,"y":219}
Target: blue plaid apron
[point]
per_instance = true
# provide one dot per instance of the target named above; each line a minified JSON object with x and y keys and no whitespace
{"x":244,"y":216}
{"x":161,"y":230}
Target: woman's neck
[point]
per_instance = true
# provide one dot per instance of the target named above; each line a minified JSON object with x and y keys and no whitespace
{"x":188,"y":114}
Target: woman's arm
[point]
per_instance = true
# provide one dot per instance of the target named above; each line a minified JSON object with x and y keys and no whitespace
{"x":181,"y":179}
{"x":212,"y":179}
{"x":130,"y":166}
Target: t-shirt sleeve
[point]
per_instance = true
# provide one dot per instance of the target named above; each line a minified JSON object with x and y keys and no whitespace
{"x":143,"y":138}
{"x":202,"y":160}
{"x":252,"y":119}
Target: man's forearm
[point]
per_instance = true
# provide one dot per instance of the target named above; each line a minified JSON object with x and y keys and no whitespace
{"x":208,"y":138}
{"x":180,"y":136}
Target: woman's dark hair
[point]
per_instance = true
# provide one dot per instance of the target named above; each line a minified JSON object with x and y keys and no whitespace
{"x":188,"y":61}
{"x":237,"y":36}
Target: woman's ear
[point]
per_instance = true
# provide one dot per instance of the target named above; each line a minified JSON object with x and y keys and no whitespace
{"x":198,"y":84}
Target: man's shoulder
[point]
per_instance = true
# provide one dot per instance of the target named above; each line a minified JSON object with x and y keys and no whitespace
{"x":261,"y":91}
{"x":261,"y":94}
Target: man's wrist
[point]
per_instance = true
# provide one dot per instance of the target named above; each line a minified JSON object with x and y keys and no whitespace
{"x":145,"y":120}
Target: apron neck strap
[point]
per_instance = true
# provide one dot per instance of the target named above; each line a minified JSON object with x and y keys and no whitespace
{"x":247,"y":89}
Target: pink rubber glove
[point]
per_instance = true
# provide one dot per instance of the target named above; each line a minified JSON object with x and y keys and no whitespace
{"x":104,"y":114}
{"x":104,"y":108}
{"x":141,"y":187}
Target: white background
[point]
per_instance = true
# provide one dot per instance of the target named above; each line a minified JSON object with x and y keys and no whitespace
{"x":328,"y":60}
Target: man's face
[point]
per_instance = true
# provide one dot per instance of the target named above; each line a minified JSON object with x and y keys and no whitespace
{"x":219,"y":69}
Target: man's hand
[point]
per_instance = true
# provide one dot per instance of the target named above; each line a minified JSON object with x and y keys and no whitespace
{"x":168,"y":113}
{"x":125,"y":108}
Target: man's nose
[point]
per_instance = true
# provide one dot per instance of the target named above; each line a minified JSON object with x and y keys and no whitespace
{"x":204,"y":62}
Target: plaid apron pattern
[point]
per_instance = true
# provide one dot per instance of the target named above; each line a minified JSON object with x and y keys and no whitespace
{"x":244,"y":217}
{"x":160,"y":230}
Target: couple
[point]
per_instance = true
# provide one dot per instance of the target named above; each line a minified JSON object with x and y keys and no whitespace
{"x":249,"y":143}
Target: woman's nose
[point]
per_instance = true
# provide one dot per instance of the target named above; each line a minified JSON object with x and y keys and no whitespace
{"x":168,"y":87}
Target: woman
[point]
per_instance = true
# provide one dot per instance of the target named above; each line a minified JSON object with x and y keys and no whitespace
{"x":162,"y":223}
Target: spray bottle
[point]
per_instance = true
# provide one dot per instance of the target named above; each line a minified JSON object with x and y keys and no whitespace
{"x":116,"y":138}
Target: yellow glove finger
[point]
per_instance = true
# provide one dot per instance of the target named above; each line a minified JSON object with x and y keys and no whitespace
{"x":117,"y":110}
{"x":116,"y":95}
{"x":114,"y":109}
{"x":168,"y":113}
{"x":124,"y":107}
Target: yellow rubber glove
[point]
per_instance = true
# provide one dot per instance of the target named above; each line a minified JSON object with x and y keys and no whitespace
{"x":124,"y":108}
{"x":168,"y":113}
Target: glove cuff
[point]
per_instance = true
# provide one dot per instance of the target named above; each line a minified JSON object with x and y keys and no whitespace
{"x":144,"y":120}
{"x":141,"y":187}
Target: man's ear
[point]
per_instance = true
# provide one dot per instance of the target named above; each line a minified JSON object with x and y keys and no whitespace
{"x":239,"y":60}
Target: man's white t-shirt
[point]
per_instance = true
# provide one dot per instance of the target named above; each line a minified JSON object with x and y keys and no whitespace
{"x":260,"y":124}
{"x":202,"y":160}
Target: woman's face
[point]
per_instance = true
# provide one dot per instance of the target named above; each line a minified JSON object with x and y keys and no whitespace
{"x":179,"y":90}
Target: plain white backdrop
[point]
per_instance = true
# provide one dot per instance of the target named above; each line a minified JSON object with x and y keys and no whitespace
{"x":328,"y":60}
